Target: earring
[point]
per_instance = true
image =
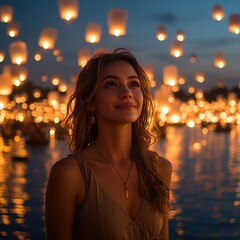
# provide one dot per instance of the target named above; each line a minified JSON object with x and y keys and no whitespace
{"x":92,"y":120}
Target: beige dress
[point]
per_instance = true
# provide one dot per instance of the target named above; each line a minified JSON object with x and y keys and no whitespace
{"x":100,"y":217}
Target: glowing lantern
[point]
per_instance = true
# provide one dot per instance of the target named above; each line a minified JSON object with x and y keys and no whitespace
{"x":176,"y":49}
{"x":219,"y":60}
{"x":161,"y":33}
{"x":83,"y":56}
{"x":193,"y":58}
{"x":6,"y":13}
{"x":13,"y":29}
{"x":2,"y":55}
{"x":47,"y":38}
{"x":56,"y":52}
{"x":62,"y":87}
{"x":68,"y":9}
{"x":117,"y":21}
{"x":55,"y":80}
{"x":93,"y":33}
{"x":3,"y":101}
{"x":6,"y":86}
{"x":217,"y":13}
{"x":234,"y":24}
{"x":200,"y":77}
{"x":38,"y":56}
{"x":18,"y":52}
{"x":199,"y":94}
{"x":181,"y":80}
{"x":180,"y":36}
{"x":53,"y":98}
{"x":37,"y":93}
{"x":170,"y":75}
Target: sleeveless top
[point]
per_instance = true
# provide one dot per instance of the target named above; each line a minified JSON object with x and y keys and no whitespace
{"x":100,"y":217}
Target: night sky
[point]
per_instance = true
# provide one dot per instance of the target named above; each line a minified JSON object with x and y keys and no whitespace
{"x":204,"y":36}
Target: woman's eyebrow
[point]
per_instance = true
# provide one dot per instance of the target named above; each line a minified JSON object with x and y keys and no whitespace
{"x":116,"y":77}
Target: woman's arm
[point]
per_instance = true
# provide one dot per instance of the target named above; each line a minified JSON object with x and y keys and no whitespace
{"x":62,"y":196}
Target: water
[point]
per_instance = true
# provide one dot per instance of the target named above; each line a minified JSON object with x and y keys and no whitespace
{"x":205,"y":196}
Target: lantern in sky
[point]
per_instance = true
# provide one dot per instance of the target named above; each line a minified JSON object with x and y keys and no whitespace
{"x":170,"y":75}
{"x":2,"y":55}
{"x":93,"y":33}
{"x":200,"y":77}
{"x":217,"y":13}
{"x":53,"y":98}
{"x":6,"y":86}
{"x":55,"y":79}
{"x":117,"y":21}
{"x":193,"y":58}
{"x":219,"y":60}
{"x":6,"y":13}
{"x":180,"y":35}
{"x":68,"y":9}
{"x":47,"y":38}
{"x":4,"y":100}
{"x":18,"y":52}
{"x":84,"y":55}
{"x":161,"y":33}
{"x":13,"y":29}
{"x":176,"y":49}
{"x":62,"y":87}
{"x":38,"y":56}
{"x":234,"y":23}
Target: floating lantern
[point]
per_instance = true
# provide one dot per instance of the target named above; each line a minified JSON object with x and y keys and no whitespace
{"x":181,"y":80}
{"x":176,"y":49}
{"x":18,"y":52}
{"x":13,"y":29}
{"x":200,"y":77}
{"x":62,"y":87}
{"x":56,"y":52}
{"x":53,"y":98}
{"x":193,"y":58}
{"x":170,"y":75}
{"x":6,"y":86}
{"x":68,"y":9}
{"x":37,"y":93}
{"x":83,"y":56}
{"x":161,"y":33}
{"x":191,"y":90}
{"x":180,"y":36}
{"x":4,"y":100}
{"x":217,"y":13}
{"x":38,"y":56}
{"x":44,"y":78}
{"x":234,"y":24}
{"x":2,"y":55}
{"x":93,"y":33}
{"x":199,"y":94}
{"x":117,"y":21}
{"x":55,"y":80}
{"x":6,"y":13}
{"x":47,"y":38}
{"x":219,"y":60}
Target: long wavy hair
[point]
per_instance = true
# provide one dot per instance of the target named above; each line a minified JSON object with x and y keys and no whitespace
{"x":151,"y":186}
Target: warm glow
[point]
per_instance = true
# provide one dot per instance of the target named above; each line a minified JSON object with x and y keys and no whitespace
{"x":161,"y":33}
{"x":176,"y":49}
{"x":38,"y":57}
{"x":217,"y":13}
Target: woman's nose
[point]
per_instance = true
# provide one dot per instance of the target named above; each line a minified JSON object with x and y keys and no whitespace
{"x":126,"y":93}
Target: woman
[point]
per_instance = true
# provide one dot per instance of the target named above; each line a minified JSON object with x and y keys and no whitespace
{"x":111,"y":186}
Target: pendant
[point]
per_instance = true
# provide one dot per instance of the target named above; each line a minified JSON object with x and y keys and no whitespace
{"x":126,"y":190}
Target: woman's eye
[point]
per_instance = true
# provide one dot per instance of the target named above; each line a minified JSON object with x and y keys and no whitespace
{"x":110,"y":84}
{"x":135,"y":84}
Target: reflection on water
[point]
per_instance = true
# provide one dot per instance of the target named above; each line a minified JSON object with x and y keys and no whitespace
{"x":205,"y":191}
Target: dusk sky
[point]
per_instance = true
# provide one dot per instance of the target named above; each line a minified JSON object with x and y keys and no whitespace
{"x":204,"y":36}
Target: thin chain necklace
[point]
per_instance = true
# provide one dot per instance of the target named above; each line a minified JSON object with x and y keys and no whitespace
{"x":124,"y":181}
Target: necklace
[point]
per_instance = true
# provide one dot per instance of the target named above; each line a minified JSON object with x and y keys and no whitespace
{"x":125,"y":186}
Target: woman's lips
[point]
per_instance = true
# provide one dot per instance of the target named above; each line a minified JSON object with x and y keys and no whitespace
{"x":126,"y":106}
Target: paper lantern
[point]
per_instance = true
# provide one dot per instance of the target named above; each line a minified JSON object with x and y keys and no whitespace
{"x":176,"y":49}
{"x":180,"y":35}
{"x":55,"y":79}
{"x":4,"y":100}
{"x":38,"y":56}
{"x":170,"y":75}
{"x":161,"y":33}
{"x":18,"y":52}
{"x":53,"y":98}
{"x":193,"y":58}
{"x":6,"y":86}
{"x":68,"y":9}
{"x":13,"y":29}
{"x":200,"y":77}
{"x":62,"y":87}
{"x":217,"y":13}
{"x":93,"y":33}
{"x":6,"y":13}
{"x":83,"y":56}
{"x":219,"y":60}
{"x":117,"y":21}
{"x":47,"y":38}
{"x":234,"y":24}
{"x":2,"y":55}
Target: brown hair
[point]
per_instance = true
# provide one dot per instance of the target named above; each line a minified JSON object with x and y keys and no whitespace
{"x":151,"y":185}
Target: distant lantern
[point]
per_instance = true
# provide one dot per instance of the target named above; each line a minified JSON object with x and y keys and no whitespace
{"x":44,"y":78}
{"x":53,"y":98}
{"x":193,"y":58}
{"x":200,"y":77}
{"x":176,"y":49}
{"x":38,"y":56}
{"x":55,"y":80}
{"x":18,"y":52}
{"x":6,"y":86}
{"x":93,"y":33}
{"x":37,"y":93}
{"x":62,"y":87}
{"x":13,"y":29}
{"x":219,"y":60}
{"x":117,"y":21}
{"x":217,"y":13}
{"x":84,"y":55}
{"x":234,"y":24}
{"x":161,"y":33}
{"x":181,"y":80}
{"x":68,"y":9}
{"x":170,"y":75}
{"x":2,"y":55}
{"x":6,"y":13}
{"x":56,"y":52}
{"x":180,"y":36}
{"x":47,"y":38}
{"x":4,"y":100}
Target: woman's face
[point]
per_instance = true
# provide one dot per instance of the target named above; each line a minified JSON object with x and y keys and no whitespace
{"x":119,"y":98}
